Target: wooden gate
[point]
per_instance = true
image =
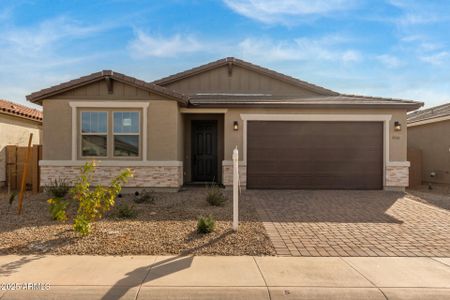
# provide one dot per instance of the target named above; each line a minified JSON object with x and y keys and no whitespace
{"x":15,"y":160}
{"x":415,"y":170}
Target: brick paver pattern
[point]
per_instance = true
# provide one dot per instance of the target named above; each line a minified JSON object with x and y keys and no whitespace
{"x":351,"y":223}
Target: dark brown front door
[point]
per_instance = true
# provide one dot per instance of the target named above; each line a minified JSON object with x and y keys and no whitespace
{"x":204,"y":151}
{"x":314,"y":155}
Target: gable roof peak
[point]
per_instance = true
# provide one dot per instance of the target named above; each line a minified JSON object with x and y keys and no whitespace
{"x":247,"y":65}
{"x":38,"y":96}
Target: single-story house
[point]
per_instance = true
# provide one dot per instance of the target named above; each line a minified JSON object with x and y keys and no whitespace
{"x":429,"y":132}
{"x":16,"y":124}
{"x":183,"y":128}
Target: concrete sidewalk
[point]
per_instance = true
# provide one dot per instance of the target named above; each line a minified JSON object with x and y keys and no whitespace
{"x":151,"y":277}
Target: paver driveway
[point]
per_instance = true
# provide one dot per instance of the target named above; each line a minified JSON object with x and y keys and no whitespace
{"x":351,"y":223}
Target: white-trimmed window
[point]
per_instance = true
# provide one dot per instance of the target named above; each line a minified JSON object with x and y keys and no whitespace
{"x":110,"y":133}
{"x":94,"y":134}
{"x":126,"y":132}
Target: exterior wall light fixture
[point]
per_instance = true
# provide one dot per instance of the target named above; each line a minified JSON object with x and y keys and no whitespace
{"x":235,"y":126}
{"x":397,"y":126}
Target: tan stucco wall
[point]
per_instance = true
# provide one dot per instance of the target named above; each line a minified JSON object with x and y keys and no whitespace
{"x":163,"y":126}
{"x":397,"y":139}
{"x":15,"y":131}
{"x":434,"y":141}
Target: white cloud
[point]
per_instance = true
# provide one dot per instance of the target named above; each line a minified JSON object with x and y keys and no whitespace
{"x":145,"y":45}
{"x":390,"y":61}
{"x":35,"y":56}
{"x":436,"y":59}
{"x":420,"y":12}
{"x":302,"y":49}
{"x":43,"y":37}
{"x":285,"y":11}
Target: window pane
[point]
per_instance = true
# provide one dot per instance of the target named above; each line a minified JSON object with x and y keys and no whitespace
{"x":93,"y":145}
{"x":126,"y":145}
{"x":85,"y":122}
{"x":93,"y":122}
{"x":126,"y":122}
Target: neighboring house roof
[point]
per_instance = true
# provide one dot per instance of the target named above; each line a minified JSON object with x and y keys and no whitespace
{"x":18,"y":110}
{"x":36,"y":97}
{"x":430,"y":115}
{"x":230,"y":61}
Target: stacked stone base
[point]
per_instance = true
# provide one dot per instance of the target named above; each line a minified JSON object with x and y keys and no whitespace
{"x":397,"y":176}
{"x":145,"y":176}
{"x":227,"y":174}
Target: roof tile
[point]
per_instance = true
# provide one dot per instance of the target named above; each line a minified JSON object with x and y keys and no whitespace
{"x":19,"y":110}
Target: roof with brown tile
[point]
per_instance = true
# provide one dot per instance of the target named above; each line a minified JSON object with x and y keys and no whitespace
{"x":429,"y":113}
{"x":244,"y":64}
{"x":329,"y":98}
{"x":261,"y":100}
{"x":18,"y":110}
{"x":62,"y":87}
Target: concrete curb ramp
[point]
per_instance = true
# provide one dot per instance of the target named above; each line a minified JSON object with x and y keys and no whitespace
{"x":244,"y":277}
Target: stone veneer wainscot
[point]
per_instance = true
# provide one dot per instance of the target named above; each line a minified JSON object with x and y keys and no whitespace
{"x":143,"y":176}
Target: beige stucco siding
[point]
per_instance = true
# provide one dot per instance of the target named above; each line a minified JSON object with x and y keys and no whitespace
{"x":397,"y":139}
{"x":163,"y":125}
{"x":241,"y":81}
{"x":434,"y":141}
{"x":57,"y":127}
{"x":15,"y":131}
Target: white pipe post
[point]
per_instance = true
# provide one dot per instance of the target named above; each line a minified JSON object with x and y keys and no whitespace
{"x":235,"y":189}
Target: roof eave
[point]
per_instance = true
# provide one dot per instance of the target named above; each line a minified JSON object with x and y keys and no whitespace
{"x":408,"y":107}
{"x":21,"y":116}
{"x":246,"y":65}
{"x":37,"y":97}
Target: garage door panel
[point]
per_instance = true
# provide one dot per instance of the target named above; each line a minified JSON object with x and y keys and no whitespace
{"x":316,"y":168}
{"x":317,"y":182}
{"x":315,"y":155}
{"x":326,"y":155}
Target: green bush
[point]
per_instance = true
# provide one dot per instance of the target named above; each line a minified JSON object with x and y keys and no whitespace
{"x":58,"y":188}
{"x":215,"y":196}
{"x":58,"y":207}
{"x":206,"y":224}
{"x":144,"y":197}
{"x":94,"y":203}
{"x":124,"y":210}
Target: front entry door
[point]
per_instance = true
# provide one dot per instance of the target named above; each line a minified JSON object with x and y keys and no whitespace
{"x":204,"y":151}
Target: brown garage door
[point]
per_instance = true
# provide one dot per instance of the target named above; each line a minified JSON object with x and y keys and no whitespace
{"x":314,"y":155}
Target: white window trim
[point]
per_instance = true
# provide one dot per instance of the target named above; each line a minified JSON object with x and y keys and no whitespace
{"x":324,"y":118}
{"x":126,"y":133}
{"x":108,"y":104}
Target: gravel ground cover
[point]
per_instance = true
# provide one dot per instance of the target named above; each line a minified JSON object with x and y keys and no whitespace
{"x":166,"y":227}
{"x":438,"y":196}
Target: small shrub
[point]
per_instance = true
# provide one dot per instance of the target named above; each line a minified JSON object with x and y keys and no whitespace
{"x":94,"y":203}
{"x":125,"y":210}
{"x":58,"y":188}
{"x":145,"y":197}
{"x":58,"y":207}
{"x":215,"y":196}
{"x":206,"y":224}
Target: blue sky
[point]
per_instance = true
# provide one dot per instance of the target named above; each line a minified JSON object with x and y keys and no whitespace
{"x":391,"y":48}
